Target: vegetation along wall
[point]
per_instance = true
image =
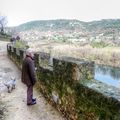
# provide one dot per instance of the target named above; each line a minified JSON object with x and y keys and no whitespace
{"x":69,"y":85}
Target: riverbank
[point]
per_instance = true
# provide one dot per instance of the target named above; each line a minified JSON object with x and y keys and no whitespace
{"x":105,"y":56}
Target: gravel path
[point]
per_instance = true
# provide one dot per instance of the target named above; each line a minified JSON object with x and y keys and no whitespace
{"x":15,"y":102}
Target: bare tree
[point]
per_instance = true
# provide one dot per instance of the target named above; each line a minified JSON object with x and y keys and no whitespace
{"x":3,"y":22}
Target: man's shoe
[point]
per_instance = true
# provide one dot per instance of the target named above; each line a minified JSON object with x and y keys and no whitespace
{"x":34,"y":99}
{"x":33,"y":103}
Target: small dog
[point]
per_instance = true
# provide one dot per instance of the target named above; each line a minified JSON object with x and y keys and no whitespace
{"x":11,"y":84}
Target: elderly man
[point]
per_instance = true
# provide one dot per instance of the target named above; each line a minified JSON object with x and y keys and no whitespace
{"x":28,"y":75}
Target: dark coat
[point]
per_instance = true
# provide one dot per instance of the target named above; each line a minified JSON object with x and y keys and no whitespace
{"x":28,"y":71}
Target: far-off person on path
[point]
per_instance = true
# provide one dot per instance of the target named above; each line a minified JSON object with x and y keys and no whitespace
{"x":28,"y":75}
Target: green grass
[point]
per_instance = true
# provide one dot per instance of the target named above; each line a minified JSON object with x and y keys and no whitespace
{"x":100,"y":44}
{"x":20,"y":44}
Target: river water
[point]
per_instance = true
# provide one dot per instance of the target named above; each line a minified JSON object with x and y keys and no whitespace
{"x":107,"y":74}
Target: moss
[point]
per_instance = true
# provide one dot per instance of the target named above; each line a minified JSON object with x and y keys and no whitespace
{"x":20,"y":44}
{"x":70,"y":87}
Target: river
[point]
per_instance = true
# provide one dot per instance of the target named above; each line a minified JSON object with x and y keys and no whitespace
{"x":107,"y":74}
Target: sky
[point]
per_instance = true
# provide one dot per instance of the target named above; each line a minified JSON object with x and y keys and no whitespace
{"x":21,"y":11}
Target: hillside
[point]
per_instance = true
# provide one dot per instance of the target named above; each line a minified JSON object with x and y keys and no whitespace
{"x":107,"y":30}
{"x":51,"y":25}
{"x":104,"y":24}
{"x":70,"y":25}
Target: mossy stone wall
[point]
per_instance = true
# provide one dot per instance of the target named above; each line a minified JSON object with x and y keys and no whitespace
{"x":66,"y":84}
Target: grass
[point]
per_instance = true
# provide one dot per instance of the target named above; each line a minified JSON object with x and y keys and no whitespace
{"x":100,"y":44}
{"x":5,"y":36}
{"x":20,"y":44}
{"x":101,"y":55}
{"x":2,"y":110}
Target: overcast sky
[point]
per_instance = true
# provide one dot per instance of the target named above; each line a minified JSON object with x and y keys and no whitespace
{"x":21,"y":11}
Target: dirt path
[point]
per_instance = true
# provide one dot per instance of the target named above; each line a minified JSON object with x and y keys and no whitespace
{"x":16,"y":101}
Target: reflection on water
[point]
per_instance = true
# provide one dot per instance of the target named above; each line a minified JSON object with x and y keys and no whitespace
{"x":108,"y":74}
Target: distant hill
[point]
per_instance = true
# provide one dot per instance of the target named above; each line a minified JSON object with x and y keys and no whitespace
{"x":106,"y":30}
{"x":104,"y":24}
{"x":63,"y":24}
{"x":51,"y":25}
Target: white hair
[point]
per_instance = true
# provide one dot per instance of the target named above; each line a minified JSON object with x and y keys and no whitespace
{"x":29,"y":51}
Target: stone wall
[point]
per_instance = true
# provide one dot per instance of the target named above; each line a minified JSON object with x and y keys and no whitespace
{"x":69,"y":85}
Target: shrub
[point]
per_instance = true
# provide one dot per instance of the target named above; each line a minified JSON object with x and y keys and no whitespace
{"x":100,"y":44}
{"x":20,"y":44}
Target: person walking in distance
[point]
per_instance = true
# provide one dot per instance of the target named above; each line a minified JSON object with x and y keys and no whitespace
{"x":28,"y":75}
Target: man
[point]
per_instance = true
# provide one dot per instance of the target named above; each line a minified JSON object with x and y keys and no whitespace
{"x":28,"y":75}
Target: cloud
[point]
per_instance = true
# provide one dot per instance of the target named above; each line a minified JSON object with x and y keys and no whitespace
{"x":20,"y":11}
